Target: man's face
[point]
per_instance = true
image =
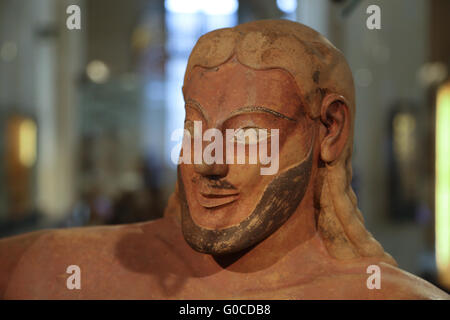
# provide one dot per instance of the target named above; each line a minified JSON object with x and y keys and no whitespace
{"x":229,"y":207}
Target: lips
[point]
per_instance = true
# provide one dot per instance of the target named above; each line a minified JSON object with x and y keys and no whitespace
{"x":215,"y":193}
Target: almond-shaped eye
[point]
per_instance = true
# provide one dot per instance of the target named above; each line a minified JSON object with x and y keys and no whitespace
{"x":250,"y":135}
{"x":189,"y":126}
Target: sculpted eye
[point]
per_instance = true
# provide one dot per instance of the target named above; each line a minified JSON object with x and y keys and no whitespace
{"x":250,"y":135}
{"x":189,"y":126}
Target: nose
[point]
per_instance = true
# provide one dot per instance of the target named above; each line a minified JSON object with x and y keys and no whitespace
{"x":208,"y":169}
{"x":214,"y":169}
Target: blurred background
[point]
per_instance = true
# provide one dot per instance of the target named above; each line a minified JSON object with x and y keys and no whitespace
{"x":86,"y":115}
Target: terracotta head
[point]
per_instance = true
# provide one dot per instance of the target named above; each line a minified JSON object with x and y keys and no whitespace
{"x":289,"y":80}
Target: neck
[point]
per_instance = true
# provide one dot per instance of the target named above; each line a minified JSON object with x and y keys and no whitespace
{"x":293,"y":234}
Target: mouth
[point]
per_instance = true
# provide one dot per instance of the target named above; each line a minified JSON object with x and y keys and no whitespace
{"x":214,"y":200}
{"x":212,"y":195}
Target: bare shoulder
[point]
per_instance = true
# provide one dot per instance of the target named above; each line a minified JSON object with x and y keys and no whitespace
{"x":378,"y":281}
{"x":402,"y":284}
{"x":12,"y":251}
{"x":37,"y":262}
{"x":353,"y":282}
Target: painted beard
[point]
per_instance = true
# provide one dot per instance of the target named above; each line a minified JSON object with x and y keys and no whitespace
{"x":280,"y":199}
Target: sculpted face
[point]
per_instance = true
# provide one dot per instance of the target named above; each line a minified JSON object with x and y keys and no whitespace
{"x":229,"y":207}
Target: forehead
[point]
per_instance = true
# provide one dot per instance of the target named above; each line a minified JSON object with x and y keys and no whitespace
{"x":232,"y":86}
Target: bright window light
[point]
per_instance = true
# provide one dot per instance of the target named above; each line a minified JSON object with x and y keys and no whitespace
{"x":220,"y":7}
{"x":287,"y":6}
{"x":210,"y":7}
{"x":443,"y":184}
{"x":182,"y":6}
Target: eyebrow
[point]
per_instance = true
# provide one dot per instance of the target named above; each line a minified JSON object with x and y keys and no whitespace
{"x":248,"y":109}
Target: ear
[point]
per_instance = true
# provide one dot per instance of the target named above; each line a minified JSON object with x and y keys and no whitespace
{"x":334,"y":116}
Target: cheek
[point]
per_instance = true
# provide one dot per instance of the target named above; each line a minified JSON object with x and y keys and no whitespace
{"x":244,"y":175}
{"x":187,"y":174}
{"x":296,"y":147}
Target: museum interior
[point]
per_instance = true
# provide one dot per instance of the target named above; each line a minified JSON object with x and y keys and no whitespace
{"x":87,"y":115}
